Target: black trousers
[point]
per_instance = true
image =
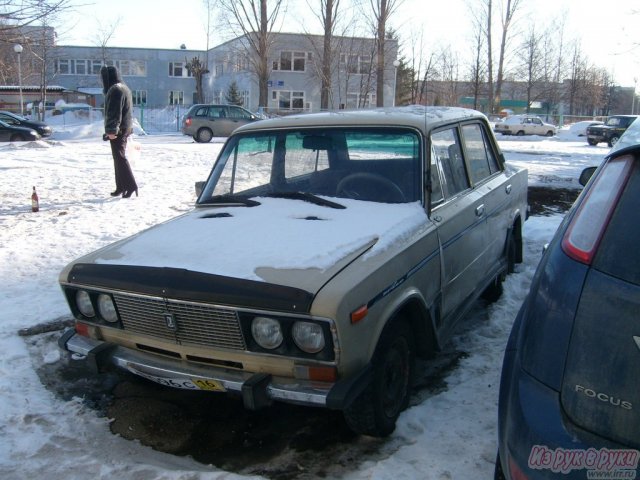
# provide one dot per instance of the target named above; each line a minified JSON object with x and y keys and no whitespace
{"x":125,"y":180}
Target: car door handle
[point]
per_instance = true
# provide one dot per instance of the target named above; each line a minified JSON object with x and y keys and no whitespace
{"x":480,"y":210}
{"x":508,"y":189}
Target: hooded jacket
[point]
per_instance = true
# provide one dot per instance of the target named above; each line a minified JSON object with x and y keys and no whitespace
{"x":117,"y":102}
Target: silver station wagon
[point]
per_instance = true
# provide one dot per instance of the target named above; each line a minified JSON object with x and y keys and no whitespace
{"x":325,"y":253}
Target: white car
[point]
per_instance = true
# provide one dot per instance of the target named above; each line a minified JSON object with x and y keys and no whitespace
{"x":525,"y":125}
{"x":580,"y":128}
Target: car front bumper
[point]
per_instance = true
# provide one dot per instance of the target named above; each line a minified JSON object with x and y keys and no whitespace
{"x":258,"y":390}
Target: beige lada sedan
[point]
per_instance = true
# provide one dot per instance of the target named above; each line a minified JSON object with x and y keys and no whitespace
{"x":325,"y":252}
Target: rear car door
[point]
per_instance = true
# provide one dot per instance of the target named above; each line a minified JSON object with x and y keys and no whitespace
{"x":494,"y":190}
{"x":219,"y":121}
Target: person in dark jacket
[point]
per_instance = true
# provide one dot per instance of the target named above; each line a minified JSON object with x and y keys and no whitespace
{"x":118,"y":123}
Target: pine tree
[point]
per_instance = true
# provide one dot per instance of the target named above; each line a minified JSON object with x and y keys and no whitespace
{"x":233,"y":95}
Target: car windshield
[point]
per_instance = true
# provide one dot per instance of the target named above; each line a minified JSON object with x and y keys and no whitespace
{"x":370,"y":164}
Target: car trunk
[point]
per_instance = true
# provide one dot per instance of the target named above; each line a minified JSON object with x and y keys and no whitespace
{"x":601,"y":385}
{"x":600,"y":391}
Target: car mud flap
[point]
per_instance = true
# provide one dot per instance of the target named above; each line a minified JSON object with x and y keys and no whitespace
{"x":344,"y":392}
{"x":64,"y":338}
{"x":254,"y":392}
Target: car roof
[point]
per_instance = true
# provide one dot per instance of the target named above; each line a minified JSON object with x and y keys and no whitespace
{"x":416,"y":116}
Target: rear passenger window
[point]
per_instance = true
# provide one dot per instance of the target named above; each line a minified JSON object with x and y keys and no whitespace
{"x":480,"y":157}
{"x":446,"y":147}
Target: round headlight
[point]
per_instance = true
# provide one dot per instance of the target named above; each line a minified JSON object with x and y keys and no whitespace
{"x":266,"y":332}
{"x":107,"y":309}
{"x":83,"y":302}
{"x":308,"y":336}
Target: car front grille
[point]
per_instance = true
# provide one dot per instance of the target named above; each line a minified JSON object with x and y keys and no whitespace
{"x":196,"y":324}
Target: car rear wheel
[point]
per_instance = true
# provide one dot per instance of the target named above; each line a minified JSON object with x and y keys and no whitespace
{"x":16,"y":137}
{"x":613,"y":140}
{"x":494,"y":291}
{"x":520,"y":133}
{"x":591,"y":142}
{"x":375,"y":411}
{"x":204,"y":135}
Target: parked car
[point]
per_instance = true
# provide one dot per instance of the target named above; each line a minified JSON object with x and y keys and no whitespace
{"x":42,"y":128}
{"x":525,"y":125}
{"x":580,"y":128}
{"x":325,"y":252}
{"x":570,"y":389}
{"x":203,"y":122}
{"x":14,"y":133}
{"x":611,"y":131}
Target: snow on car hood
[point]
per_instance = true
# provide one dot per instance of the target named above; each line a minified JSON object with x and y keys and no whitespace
{"x":278,"y":234}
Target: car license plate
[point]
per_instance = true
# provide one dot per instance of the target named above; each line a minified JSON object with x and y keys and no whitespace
{"x":192,"y":383}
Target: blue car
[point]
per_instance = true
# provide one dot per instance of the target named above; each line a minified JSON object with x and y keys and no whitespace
{"x":569,"y":403}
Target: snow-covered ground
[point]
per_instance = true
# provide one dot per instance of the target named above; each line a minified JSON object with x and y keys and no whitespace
{"x":449,"y":435}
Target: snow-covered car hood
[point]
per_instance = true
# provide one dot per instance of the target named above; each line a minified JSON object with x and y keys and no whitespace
{"x":288,"y":242}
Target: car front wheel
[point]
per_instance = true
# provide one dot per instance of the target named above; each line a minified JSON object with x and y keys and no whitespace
{"x":549,"y":133}
{"x":375,"y":411}
{"x":520,"y":133}
{"x":591,"y":142}
{"x":16,"y":137}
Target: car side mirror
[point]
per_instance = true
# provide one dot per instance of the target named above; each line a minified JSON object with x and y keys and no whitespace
{"x":586,"y":174}
{"x":199,"y":187}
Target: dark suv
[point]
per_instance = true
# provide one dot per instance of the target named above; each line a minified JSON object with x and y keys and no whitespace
{"x":611,"y":131}
{"x":569,"y":402}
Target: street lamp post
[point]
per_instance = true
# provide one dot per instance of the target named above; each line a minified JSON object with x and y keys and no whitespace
{"x":18,"y":49}
{"x":396,"y":64}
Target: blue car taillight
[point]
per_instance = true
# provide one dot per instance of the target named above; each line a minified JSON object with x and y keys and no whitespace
{"x":583,"y":235}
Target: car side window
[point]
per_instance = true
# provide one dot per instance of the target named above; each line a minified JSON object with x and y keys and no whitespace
{"x":436,"y":183}
{"x":446,"y":146}
{"x":217,"y":112}
{"x":236,"y":112}
{"x":480,"y":157}
{"x":201,"y":112}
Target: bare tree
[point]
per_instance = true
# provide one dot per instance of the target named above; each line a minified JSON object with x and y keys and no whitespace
{"x":255,"y":21}
{"x":509,"y":12}
{"x":477,"y":69}
{"x":198,"y":70}
{"x":531,"y":63}
{"x":104,"y":32}
{"x":381,"y":11}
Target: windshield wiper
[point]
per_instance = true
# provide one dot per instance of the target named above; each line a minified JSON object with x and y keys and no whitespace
{"x":306,"y":197}
{"x":230,"y":198}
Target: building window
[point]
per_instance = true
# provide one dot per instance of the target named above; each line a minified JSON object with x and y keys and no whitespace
{"x":178,"y":69}
{"x":176,"y":97}
{"x":219,"y":70}
{"x":139,"y":97}
{"x":126,"y":68}
{"x":356,"y":64}
{"x":291,"y":61}
{"x":288,"y":100}
{"x":361,"y":100}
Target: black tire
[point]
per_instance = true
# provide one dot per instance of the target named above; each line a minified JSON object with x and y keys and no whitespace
{"x":375,"y":411}
{"x":494,"y":290}
{"x":549,"y":133}
{"x":204,"y":135}
{"x":591,"y":142}
{"x":613,"y":140}
{"x":520,"y":133}
{"x":498,"y":474}
{"x":16,"y":137}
